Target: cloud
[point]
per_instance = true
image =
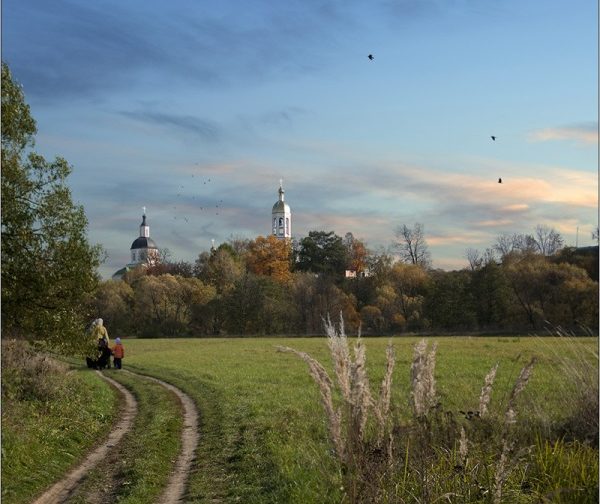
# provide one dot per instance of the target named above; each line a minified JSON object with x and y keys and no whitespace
{"x":203,"y":128}
{"x":66,"y":49}
{"x":583,"y":134}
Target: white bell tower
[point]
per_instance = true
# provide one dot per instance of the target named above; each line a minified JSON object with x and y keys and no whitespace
{"x":281,"y":216}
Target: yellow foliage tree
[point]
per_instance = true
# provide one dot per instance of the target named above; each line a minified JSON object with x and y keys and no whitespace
{"x":270,"y":256}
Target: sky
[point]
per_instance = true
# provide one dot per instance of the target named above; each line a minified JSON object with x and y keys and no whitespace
{"x":184,"y":105}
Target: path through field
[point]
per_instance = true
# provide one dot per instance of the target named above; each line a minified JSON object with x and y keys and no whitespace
{"x":175,"y":489}
{"x":108,"y":452}
{"x":61,"y":490}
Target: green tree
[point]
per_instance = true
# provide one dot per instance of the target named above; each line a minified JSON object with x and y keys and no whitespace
{"x":449,"y":303}
{"x":491,"y":295}
{"x":113,"y":301}
{"x":165,"y":305}
{"x":323,"y":253}
{"x":220,"y":267}
{"x":48,"y":266}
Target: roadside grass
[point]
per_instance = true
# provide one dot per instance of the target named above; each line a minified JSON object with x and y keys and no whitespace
{"x":138,"y":470}
{"x":264,"y":436}
{"x":51,"y":416}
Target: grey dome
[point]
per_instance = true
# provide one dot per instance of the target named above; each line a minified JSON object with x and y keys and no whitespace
{"x":280,"y":206}
{"x":143,"y":242}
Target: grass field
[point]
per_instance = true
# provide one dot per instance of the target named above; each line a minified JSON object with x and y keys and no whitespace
{"x":263,"y":431}
{"x":42,"y":437}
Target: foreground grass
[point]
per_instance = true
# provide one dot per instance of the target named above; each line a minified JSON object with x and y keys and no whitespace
{"x":43,"y":437}
{"x":263,"y":432}
{"x":139,"y":469}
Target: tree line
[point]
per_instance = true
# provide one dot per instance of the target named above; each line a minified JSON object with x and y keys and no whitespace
{"x":51,"y":288}
{"x":267,"y":286}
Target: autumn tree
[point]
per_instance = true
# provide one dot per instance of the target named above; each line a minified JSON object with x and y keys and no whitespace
{"x":220,"y":267}
{"x":48,"y":266}
{"x":270,"y":257}
{"x":357,"y":254}
{"x":412,"y":246}
{"x":409,"y":282}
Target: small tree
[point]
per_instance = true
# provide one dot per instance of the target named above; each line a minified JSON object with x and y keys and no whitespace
{"x":412,"y":246}
{"x":547,"y":240}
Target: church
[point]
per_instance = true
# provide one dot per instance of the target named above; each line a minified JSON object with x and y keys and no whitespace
{"x":144,"y":252}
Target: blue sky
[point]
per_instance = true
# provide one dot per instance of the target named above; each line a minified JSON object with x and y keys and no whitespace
{"x":149,"y":100}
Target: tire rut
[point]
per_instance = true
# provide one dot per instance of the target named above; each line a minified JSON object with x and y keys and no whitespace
{"x":176,"y":487}
{"x":61,"y":490}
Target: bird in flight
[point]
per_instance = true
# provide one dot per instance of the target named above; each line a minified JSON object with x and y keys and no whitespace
{"x":499,"y":181}
{"x":493,"y":138}
{"x":371,"y":57}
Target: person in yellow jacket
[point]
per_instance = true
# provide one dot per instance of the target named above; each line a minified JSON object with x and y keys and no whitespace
{"x":118,"y":352}
{"x":101,"y":335}
{"x":99,"y":331}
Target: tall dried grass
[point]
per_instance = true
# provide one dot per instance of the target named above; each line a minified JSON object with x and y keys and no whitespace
{"x":433,"y":457}
{"x":360,"y":450}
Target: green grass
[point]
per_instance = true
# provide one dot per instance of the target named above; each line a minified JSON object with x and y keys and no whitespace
{"x":42,"y":439}
{"x":263,"y":432}
{"x":141,"y":465}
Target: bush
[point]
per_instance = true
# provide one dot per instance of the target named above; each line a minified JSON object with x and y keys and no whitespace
{"x":29,"y":375}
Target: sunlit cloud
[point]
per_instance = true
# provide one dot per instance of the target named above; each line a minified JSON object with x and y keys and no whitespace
{"x":495,"y":223}
{"x":585,"y":134}
{"x":516,"y":207}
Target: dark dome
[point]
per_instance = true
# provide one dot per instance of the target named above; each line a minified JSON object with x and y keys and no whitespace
{"x":143,"y":242}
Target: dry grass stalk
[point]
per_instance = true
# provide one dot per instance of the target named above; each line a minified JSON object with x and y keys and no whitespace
{"x":510,"y":418}
{"x":520,"y":384}
{"x":502,"y":471}
{"x":486,"y":391}
{"x":422,"y":378}
{"x":325,"y":384}
{"x":463,"y":447}
{"x":385,"y":392}
{"x":340,"y":353}
{"x":360,"y":393}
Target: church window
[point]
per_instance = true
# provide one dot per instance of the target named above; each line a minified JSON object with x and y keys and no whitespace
{"x":287,"y":225}
{"x":133,"y":256}
{"x":280,"y":221}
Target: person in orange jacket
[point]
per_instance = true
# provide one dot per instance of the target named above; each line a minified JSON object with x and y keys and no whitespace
{"x":118,"y":352}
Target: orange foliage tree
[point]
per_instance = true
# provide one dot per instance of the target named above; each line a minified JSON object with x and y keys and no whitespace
{"x":270,"y":256}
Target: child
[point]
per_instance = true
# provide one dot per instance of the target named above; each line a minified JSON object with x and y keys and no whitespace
{"x":118,"y":353}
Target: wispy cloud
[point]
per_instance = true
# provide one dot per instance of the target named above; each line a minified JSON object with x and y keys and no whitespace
{"x":583,"y":134}
{"x":203,"y":128}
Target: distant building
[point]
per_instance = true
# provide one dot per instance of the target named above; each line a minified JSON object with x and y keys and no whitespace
{"x":281,"y":216}
{"x":144,"y":251}
{"x":357,"y":274}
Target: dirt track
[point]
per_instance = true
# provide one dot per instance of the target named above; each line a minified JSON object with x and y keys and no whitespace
{"x":61,"y":490}
{"x":175,"y":490}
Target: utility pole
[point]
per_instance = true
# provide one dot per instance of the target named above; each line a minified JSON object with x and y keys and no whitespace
{"x":577,"y":238}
